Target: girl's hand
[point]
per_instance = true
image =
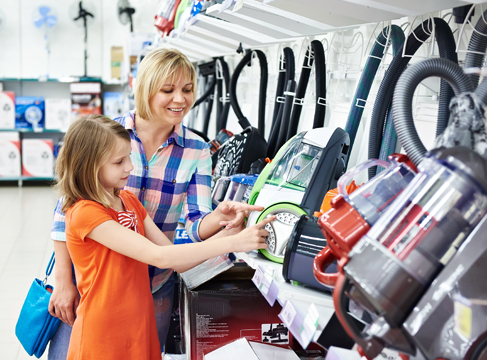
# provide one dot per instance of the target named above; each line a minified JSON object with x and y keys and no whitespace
{"x":64,"y":302}
{"x":233,"y":213}
{"x":254,"y":237}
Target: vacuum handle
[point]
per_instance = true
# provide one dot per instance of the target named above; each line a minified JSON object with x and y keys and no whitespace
{"x":350,"y":174}
{"x":324,"y":259}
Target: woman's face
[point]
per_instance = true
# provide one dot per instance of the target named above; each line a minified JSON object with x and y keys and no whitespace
{"x":173,"y":101}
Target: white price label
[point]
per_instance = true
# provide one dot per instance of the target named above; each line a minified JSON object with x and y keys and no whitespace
{"x":263,"y":280}
{"x":288,"y":313}
{"x":257,"y":279}
{"x":310,"y":324}
{"x":238,"y":5}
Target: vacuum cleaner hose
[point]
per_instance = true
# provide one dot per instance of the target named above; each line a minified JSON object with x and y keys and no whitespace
{"x":402,"y":108}
{"x":243,"y":121}
{"x":446,"y":45}
{"x":476,"y":47}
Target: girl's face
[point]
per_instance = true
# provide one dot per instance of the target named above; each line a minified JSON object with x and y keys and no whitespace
{"x":115,"y":172}
{"x":173,"y":101}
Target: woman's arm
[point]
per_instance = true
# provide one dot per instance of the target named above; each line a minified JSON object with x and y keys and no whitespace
{"x":65,"y":297}
{"x":178,"y":257}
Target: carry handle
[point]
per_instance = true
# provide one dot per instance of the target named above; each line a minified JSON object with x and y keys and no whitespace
{"x":324,"y":259}
{"x":350,"y":174}
{"x":49,"y":268}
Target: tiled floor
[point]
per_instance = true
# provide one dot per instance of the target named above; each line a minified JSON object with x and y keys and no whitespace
{"x":25,"y":250}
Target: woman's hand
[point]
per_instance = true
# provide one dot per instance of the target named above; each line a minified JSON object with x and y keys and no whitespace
{"x":254,"y":237}
{"x":233,"y":213}
{"x":64,"y":302}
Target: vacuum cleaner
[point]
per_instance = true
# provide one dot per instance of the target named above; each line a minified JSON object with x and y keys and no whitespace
{"x":420,"y":250}
{"x":351,"y":216}
{"x":306,"y":240}
{"x":296,"y":181}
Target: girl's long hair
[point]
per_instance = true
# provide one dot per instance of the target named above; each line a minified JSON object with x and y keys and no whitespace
{"x":88,"y":144}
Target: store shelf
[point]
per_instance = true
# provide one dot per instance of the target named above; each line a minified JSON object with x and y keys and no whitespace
{"x":26,"y":178}
{"x":66,"y":79}
{"x":28,"y":131}
{"x":306,"y":312}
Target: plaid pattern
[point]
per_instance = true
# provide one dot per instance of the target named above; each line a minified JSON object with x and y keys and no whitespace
{"x":177,"y":177}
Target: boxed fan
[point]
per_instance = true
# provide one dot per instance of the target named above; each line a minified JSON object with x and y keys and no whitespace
{"x":114,"y":105}
{"x":29,"y":112}
{"x":38,"y":158}
{"x":9,"y":154}
{"x":58,"y":114}
{"x":7,"y":110}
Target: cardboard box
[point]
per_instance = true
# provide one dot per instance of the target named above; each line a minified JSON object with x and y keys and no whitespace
{"x":85,"y":99}
{"x":7,"y":110}
{"x":29,"y":112}
{"x":9,"y":154}
{"x":114,"y":105}
{"x":225,"y":309}
{"x":38,"y":158}
{"x":116,"y":61}
{"x":242,"y":349}
{"x":58,"y":114}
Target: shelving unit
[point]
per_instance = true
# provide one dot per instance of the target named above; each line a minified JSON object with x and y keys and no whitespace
{"x":306,"y":311}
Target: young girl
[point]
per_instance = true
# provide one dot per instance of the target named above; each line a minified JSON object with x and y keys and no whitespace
{"x":110,"y":239}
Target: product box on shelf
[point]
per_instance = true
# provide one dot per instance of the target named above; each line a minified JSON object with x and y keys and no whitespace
{"x":7,"y":110}
{"x":227,"y":308}
{"x":38,"y":158}
{"x":9,"y":154}
{"x":29,"y":112}
{"x":242,"y":349}
{"x":114,"y":104}
{"x":58,"y":114}
{"x":85,"y":99}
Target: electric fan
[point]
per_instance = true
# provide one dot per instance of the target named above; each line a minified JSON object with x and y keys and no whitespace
{"x":83,"y":10}
{"x":125,"y":13}
{"x":45,"y":18}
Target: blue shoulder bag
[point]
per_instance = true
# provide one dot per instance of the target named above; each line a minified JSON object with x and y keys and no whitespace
{"x":36,"y":326}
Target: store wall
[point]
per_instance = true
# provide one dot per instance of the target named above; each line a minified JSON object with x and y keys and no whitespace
{"x":23,"y":46}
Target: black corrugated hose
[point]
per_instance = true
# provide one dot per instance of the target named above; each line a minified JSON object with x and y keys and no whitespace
{"x":476,"y":47}
{"x":402,"y":109}
{"x":316,"y":59}
{"x":221,"y":122}
{"x":287,"y":74}
{"x":242,"y":120}
{"x":446,"y":45}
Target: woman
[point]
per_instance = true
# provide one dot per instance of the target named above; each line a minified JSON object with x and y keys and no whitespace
{"x":172,"y":172}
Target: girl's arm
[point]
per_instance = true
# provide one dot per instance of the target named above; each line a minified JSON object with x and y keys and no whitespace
{"x":65,"y":297}
{"x":178,"y":257}
{"x":229,"y":214}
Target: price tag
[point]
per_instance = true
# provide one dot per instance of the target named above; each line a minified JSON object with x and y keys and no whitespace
{"x":258,"y":275}
{"x":310,"y":324}
{"x":288,"y":313}
{"x":463,"y":319}
{"x":238,"y":5}
{"x":263,"y":280}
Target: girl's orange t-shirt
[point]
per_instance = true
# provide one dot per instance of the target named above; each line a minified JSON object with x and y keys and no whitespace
{"x":115,"y":318}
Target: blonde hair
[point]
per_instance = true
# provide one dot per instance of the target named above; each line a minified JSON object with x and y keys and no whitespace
{"x":88,"y":144}
{"x":158,"y":67}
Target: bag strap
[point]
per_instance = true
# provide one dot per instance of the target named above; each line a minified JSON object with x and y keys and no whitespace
{"x":49,"y":268}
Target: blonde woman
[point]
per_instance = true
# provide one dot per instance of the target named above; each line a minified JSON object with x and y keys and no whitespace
{"x":172,"y":172}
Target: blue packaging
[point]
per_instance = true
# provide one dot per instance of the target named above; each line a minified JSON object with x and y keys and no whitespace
{"x":29,"y":112}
